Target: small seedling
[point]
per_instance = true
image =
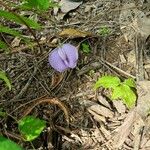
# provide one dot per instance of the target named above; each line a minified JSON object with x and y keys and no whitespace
{"x":85,"y":47}
{"x":119,"y":90}
{"x":5,"y":79}
{"x":104,"y":31}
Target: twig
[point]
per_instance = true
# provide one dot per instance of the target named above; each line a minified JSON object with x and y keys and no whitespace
{"x":24,"y":89}
{"x":139,"y":47}
{"x":54,"y":101}
{"x":13,"y":135}
{"x":117,"y":69}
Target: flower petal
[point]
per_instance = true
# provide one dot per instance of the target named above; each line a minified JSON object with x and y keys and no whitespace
{"x":69,"y":54}
{"x":56,"y":62}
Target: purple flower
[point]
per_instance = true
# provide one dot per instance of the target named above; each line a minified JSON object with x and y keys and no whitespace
{"x":64,"y":57}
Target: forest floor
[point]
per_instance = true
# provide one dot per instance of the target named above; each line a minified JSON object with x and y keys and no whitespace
{"x":115,"y":33}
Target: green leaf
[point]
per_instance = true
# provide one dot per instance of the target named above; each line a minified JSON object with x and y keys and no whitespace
{"x":107,"y":82}
{"x":6,"y":144}
{"x":117,"y":93}
{"x":38,"y":4}
{"x":54,"y":4}
{"x":13,"y":32}
{"x":9,"y":31}
{"x":125,"y":93}
{"x":130,"y":82}
{"x":5,"y":79}
{"x":3,"y":45}
{"x":31,"y":127}
{"x":19,"y":19}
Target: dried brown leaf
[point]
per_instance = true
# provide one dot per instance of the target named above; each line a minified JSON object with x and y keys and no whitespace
{"x":96,"y":116}
{"x":56,"y":79}
{"x":100,"y":110}
{"x":74,"y":33}
{"x":103,"y":101}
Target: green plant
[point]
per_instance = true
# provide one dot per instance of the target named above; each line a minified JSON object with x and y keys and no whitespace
{"x":6,"y":144}
{"x":104,"y":31}
{"x":5,"y":79}
{"x":41,"y":5}
{"x":31,"y":127}
{"x":8,"y":14}
{"x":119,"y":90}
{"x":85,"y":47}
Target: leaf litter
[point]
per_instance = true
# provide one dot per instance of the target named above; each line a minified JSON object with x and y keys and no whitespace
{"x":95,"y":121}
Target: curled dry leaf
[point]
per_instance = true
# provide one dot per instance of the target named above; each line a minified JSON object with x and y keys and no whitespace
{"x":67,"y":5}
{"x":74,"y":33}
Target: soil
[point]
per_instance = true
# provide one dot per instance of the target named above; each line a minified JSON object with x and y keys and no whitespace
{"x":93,"y":121}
